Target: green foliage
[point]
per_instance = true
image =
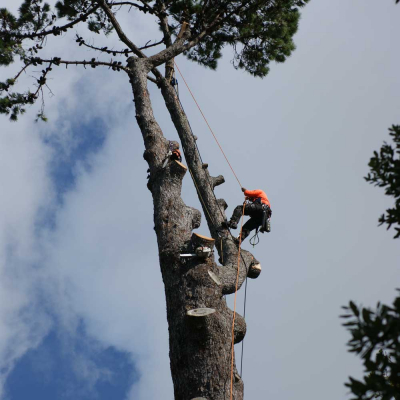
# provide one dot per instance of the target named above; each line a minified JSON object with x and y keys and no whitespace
{"x":72,"y":9}
{"x":8,"y":46}
{"x":33,"y":15}
{"x":385,"y":172}
{"x":13,"y":104}
{"x":375,"y":336}
{"x":34,"y":18}
{"x":258,"y":31}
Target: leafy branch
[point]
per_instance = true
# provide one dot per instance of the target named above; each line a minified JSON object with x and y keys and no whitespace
{"x":56,"y":30}
{"x":385,"y":172}
{"x":375,"y":336}
{"x":124,"y":52}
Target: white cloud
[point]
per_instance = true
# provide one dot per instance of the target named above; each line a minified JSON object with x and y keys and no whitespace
{"x":97,"y":257}
{"x":25,"y":191}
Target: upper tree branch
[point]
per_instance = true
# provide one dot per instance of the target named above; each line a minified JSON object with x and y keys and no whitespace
{"x":119,"y":30}
{"x":114,"y":65}
{"x":56,"y":30}
{"x":92,"y":63}
{"x":179,"y":46}
{"x":125,"y":52}
{"x":169,"y":65}
{"x":145,"y":8}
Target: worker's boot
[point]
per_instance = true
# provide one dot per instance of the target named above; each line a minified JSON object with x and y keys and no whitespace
{"x":230,"y":224}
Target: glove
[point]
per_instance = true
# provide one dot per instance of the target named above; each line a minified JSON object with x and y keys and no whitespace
{"x":243,"y":189}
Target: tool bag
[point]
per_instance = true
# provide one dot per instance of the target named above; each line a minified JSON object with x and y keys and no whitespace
{"x":266,"y":219}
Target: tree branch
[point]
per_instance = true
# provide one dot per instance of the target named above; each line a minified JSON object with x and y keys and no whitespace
{"x":56,"y":30}
{"x":179,"y":47}
{"x":125,"y":52}
{"x":169,"y":66}
{"x":119,"y":30}
{"x":116,"y":66}
{"x":152,"y":45}
{"x":145,"y":8}
{"x":152,"y":80}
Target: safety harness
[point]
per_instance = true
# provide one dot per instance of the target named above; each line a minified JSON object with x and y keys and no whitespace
{"x":265,"y":224}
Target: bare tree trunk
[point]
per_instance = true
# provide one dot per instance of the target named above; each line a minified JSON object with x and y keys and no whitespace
{"x":200,"y":340}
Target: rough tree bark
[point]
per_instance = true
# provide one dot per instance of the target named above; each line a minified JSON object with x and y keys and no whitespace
{"x":200,"y":346}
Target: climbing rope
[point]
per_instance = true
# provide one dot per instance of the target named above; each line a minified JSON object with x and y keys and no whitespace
{"x":209,"y":127}
{"x":255,"y":239}
{"x":244,"y":317}
{"x":234,"y":304}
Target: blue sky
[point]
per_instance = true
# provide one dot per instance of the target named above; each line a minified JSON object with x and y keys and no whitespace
{"x":82,"y":306}
{"x":48,"y":372}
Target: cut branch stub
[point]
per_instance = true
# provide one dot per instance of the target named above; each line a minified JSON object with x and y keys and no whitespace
{"x":218,"y":180}
{"x":222,"y":204}
{"x":254,"y":270}
{"x":239,"y":328}
{"x":200,"y":312}
{"x":202,"y":241}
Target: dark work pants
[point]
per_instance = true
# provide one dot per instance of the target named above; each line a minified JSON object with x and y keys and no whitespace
{"x":255,"y":211}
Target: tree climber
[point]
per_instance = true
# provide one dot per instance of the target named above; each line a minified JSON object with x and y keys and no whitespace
{"x":173,"y":153}
{"x":258,"y":208}
{"x":176,"y":154}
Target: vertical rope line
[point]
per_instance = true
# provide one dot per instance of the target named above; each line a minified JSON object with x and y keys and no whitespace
{"x":244,"y":316}
{"x":234,"y":306}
